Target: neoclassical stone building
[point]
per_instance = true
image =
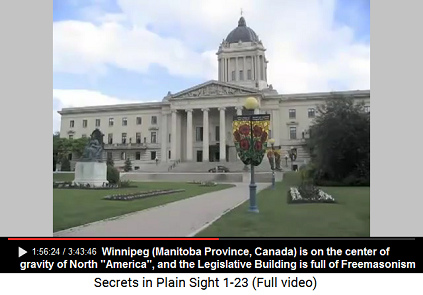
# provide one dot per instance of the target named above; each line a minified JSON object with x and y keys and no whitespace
{"x":195,"y":124}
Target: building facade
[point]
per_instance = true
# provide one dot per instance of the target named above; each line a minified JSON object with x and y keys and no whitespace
{"x":196,"y":124}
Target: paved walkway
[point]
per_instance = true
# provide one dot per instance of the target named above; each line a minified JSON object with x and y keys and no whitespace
{"x":178,"y":219}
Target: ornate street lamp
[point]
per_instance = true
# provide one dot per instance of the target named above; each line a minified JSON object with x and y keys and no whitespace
{"x":272,"y":143}
{"x":250,"y":138}
{"x":251,"y":104}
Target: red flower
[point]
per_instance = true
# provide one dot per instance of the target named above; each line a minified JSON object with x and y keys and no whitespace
{"x":244,"y":129}
{"x":237,"y":135}
{"x":245,"y":145}
{"x":257,"y":131}
{"x":258,"y":146}
{"x":264,"y":136}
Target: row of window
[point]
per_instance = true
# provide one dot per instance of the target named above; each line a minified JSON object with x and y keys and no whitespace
{"x":138,"y":121}
{"x":123,"y":155}
{"x":312,"y":112}
{"x":124,"y":138}
{"x":241,"y":75}
{"x":293,"y":113}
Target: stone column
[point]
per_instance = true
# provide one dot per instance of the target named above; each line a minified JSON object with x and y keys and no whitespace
{"x":189,"y":134}
{"x":222,"y":141}
{"x":206,"y":135}
{"x":173,"y":136}
{"x":224,"y":69}
{"x":163,"y":156}
{"x":257,"y":69}
{"x":236,"y":69}
{"x":238,"y":111}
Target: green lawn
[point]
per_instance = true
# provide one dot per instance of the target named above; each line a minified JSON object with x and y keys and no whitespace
{"x":349,"y":217}
{"x":64,"y":176}
{"x":73,"y":207}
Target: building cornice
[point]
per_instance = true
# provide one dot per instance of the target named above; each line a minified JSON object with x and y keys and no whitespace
{"x":112,"y":108}
{"x":356,"y":94}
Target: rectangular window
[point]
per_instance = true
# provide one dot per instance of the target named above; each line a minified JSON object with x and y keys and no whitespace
{"x":124,"y":121}
{"x":249,"y":75}
{"x":97,"y":122}
{"x":84,"y":123}
{"x":170,"y":137}
{"x":137,"y":156}
{"x":110,"y":138}
{"x":139,"y":120}
{"x":153,"y":155}
{"x":109,"y":155}
{"x":199,"y":134}
{"x":72,"y":123}
{"x":292,"y":114}
{"x":123,"y":156}
{"x":153,"y":137}
{"x":84,"y":136}
{"x":217,"y":133}
{"x":111,"y":121}
{"x":292,"y":132}
{"x":233,"y":75}
{"x":154,"y":120}
{"x":70,"y":136}
{"x":241,"y":75}
{"x":170,"y":154}
{"x":138,"y":137}
{"x":145,"y":139}
{"x":367,"y":109}
{"x":311,"y":113}
{"x":123,"y":138}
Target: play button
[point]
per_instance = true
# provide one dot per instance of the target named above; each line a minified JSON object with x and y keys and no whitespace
{"x":21,"y":252}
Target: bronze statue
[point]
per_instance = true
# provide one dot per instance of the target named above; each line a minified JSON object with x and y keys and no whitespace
{"x":93,"y":150}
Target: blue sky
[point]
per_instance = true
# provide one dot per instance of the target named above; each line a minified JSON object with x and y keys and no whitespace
{"x":119,"y":51}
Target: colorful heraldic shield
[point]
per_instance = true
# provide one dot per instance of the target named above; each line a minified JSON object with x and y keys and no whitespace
{"x":250,"y":137}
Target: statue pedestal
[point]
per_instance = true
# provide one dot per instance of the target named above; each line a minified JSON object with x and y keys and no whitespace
{"x":92,"y":173}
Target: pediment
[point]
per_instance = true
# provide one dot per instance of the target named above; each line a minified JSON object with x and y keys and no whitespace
{"x":214,"y":88}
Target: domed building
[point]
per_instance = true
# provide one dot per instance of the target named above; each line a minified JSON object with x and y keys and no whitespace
{"x":195,"y":124}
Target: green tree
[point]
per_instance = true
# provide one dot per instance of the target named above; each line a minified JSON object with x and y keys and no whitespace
{"x":65,"y":165}
{"x":128,"y":165}
{"x":62,"y":147}
{"x":340,"y":141}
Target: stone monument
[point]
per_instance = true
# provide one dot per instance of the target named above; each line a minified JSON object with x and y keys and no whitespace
{"x":90,"y":169}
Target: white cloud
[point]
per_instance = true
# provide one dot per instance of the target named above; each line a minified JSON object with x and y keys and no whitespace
{"x":306,"y":49}
{"x":68,"y":98}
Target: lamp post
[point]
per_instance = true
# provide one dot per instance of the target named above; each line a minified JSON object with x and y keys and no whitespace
{"x":251,"y":104}
{"x":272,"y":143}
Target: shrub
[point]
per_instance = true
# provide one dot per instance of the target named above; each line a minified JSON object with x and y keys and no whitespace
{"x":124,"y":183}
{"x":110,"y":162}
{"x":113,"y":175}
{"x":128,"y":165}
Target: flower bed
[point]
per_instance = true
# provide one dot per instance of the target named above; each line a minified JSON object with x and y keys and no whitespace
{"x":105,"y":186}
{"x":141,"y":195}
{"x":308,"y":194}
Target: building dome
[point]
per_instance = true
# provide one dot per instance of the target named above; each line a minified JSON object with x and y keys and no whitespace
{"x":242,"y":33}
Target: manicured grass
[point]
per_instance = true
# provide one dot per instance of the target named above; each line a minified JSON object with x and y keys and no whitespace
{"x":73,"y":207}
{"x":64,"y":176}
{"x":349,"y":217}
